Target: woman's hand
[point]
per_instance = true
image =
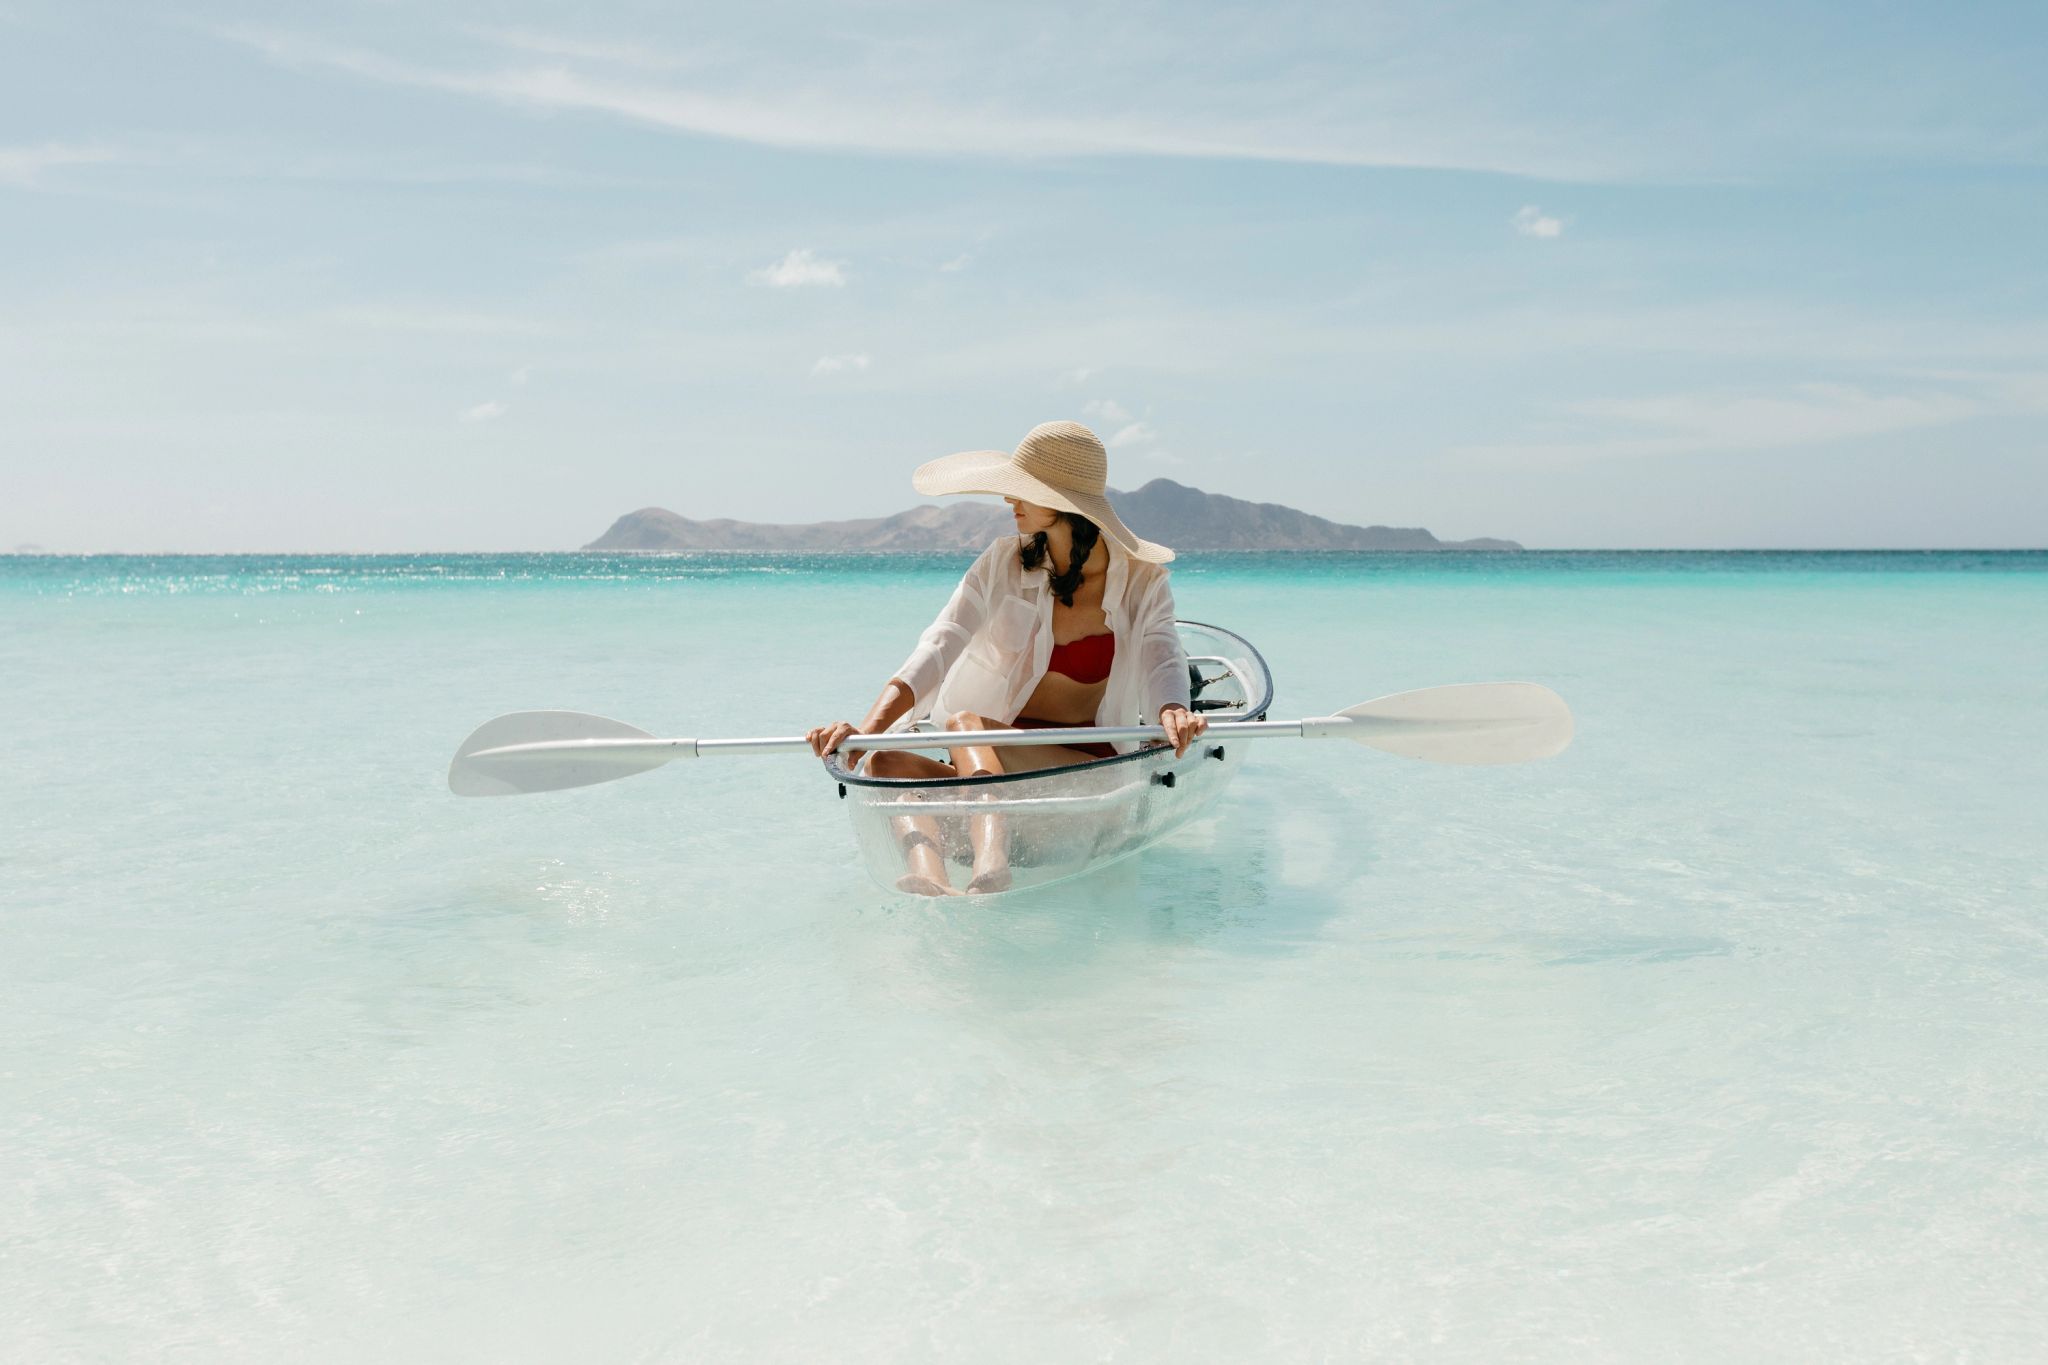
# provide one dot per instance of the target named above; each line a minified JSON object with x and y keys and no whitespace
{"x":896,"y":698}
{"x":826,"y":739}
{"x":1181,"y":727}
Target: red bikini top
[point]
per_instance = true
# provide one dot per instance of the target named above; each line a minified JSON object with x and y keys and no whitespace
{"x":1085,"y":660}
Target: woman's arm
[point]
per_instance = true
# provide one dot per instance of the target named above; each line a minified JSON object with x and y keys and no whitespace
{"x":894,"y":701}
{"x":1164,"y":665}
{"x":926,"y":667}
{"x":953,"y":627}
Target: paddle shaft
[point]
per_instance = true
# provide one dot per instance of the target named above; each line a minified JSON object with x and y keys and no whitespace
{"x":672,"y":749}
{"x":536,"y":751}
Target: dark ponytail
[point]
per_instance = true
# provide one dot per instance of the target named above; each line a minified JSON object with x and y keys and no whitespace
{"x":1035,"y":552}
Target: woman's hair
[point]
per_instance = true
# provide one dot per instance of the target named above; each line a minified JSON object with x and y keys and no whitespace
{"x":1035,"y":553}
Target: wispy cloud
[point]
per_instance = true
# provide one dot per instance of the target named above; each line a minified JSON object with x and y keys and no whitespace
{"x":1697,"y":423}
{"x":836,"y":364}
{"x":1106,"y":410}
{"x":274,"y":154}
{"x":1472,"y":91}
{"x":483,"y":412}
{"x":839,"y":106}
{"x":23,"y":167}
{"x":385,"y":168}
{"x":1531,"y":221}
{"x":636,"y":55}
{"x":1133,"y":434}
{"x":405,"y":317}
{"x":958,"y":263}
{"x":801,"y":268}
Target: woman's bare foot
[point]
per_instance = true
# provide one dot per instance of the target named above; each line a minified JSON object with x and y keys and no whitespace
{"x":990,"y":882}
{"x":924,"y":866}
{"x":990,"y":837}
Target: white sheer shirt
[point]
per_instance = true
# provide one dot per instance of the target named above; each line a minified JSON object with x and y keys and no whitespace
{"x":987,"y":650}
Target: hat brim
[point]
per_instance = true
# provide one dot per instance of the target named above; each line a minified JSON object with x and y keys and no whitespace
{"x":995,"y":472}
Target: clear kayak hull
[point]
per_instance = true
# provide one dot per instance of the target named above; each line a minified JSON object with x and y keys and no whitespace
{"x":1065,"y":822}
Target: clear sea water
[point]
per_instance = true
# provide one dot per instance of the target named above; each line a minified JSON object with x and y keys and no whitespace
{"x":1720,"y":1037}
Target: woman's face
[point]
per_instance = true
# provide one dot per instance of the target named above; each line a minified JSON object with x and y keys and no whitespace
{"x":1031,"y":518}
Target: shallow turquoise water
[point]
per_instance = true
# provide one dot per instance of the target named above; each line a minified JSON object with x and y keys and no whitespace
{"x":1717,"y":1038}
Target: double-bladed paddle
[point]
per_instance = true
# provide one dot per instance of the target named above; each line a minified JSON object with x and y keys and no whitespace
{"x":541,"y":751}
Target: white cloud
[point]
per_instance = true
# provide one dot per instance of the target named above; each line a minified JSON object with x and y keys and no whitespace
{"x":1465,"y":88}
{"x":836,"y":364}
{"x":1807,"y":414}
{"x":2021,"y":392}
{"x":521,"y":376}
{"x":1695,"y":423}
{"x":1080,"y":374}
{"x":483,"y":412}
{"x":1531,"y":221}
{"x":1106,"y":410}
{"x":862,"y":102}
{"x":20,"y":167}
{"x":956,"y":264}
{"x":1137,"y":433}
{"x":800,"y":268}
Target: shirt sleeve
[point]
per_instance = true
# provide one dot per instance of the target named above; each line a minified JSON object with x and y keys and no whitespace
{"x":1163,"y":671}
{"x":949,"y":633}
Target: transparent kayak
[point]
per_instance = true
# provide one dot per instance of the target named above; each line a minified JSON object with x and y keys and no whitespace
{"x":1067,"y":822}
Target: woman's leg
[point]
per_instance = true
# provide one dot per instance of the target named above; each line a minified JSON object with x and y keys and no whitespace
{"x":924,"y":860}
{"x":989,"y":835}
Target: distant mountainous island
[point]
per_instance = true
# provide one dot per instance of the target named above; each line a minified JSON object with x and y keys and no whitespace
{"x":1164,"y":511}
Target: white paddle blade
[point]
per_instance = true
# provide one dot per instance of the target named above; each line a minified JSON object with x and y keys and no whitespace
{"x":476,"y":773}
{"x":1464,"y":723}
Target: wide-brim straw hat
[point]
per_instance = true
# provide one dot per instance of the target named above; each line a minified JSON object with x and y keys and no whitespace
{"x":1058,"y":464}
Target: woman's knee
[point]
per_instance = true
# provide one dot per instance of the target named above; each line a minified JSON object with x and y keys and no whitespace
{"x":966,"y":720}
{"x":891,"y":763}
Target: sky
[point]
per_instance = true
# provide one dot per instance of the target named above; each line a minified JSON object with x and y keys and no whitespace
{"x":375,"y":275}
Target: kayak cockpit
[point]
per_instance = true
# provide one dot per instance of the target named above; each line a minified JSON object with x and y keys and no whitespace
{"x":1062,"y":822}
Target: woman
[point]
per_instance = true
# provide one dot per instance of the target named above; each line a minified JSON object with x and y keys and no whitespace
{"x":1069,"y":623}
